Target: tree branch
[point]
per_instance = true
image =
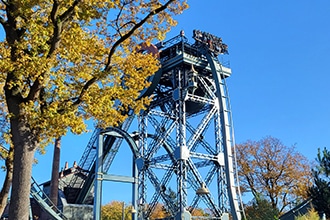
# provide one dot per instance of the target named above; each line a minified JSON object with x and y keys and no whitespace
{"x":116,"y":44}
{"x":53,"y":45}
{"x":65,"y":16}
{"x":84,"y":90}
{"x":127,"y":35}
{"x":58,"y":22}
{"x":118,"y":16}
{"x":54,"y":11}
{"x":2,"y":21}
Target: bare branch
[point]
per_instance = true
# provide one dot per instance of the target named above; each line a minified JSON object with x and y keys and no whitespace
{"x":117,"y":18}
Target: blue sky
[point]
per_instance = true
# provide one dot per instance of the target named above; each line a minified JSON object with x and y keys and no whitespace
{"x":279,"y":53}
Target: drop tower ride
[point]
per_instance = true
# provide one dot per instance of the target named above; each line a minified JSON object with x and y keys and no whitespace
{"x":182,"y":144}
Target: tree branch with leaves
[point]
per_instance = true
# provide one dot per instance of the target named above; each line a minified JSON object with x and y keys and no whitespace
{"x":64,"y":62}
{"x":278,"y":173}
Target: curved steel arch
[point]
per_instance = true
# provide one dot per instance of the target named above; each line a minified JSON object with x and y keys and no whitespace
{"x":100,"y":175}
{"x":118,"y":132}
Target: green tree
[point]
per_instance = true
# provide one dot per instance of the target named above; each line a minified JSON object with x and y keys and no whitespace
{"x":320,"y":191}
{"x":63,"y":62}
{"x":261,"y":209}
{"x":269,"y":168}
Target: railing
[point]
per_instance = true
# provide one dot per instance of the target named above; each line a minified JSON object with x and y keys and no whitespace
{"x":44,"y":201}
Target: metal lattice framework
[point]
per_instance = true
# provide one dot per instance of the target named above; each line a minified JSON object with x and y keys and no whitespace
{"x":187,"y":132}
{"x":183,"y":142}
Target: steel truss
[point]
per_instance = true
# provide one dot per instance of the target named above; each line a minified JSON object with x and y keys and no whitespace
{"x":184,"y":154}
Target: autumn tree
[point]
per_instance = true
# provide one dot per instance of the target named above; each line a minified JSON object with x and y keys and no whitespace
{"x":320,"y":191}
{"x":199,"y":212}
{"x":116,"y":210}
{"x":158,"y":212}
{"x":63,"y":62}
{"x":278,"y":172}
{"x":161,"y":212}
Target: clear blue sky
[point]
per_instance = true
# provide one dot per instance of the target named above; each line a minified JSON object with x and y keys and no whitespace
{"x":279,"y":52}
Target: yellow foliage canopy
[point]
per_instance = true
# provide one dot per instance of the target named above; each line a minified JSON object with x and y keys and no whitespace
{"x":66,"y":61}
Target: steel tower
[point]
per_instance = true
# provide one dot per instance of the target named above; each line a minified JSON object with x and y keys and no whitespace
{"x":183,"y":143}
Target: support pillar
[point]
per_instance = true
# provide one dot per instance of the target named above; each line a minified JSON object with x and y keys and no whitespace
{"x":98,"y":179}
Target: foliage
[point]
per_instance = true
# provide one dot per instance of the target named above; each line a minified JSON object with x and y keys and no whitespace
{"x":114,"y":210}
{"x":71,"y":60}
{"x":199,"y":212}
{"x":320,"y":191}
{"x":267,"y":167}
{"x":63,"y":62}
{"x":310,"y":215}
{"x":261,"y":209}
{"x":158,"y":212}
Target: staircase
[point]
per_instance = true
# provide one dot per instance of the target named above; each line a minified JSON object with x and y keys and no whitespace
{"x":44,"y":201}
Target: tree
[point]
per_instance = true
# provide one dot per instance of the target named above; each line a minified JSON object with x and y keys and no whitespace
{"x":63,"y":62}
{"x":310,"y":215}
{"x":158,"y":212}
{"x":269,"y":168}
{"x":199,"y":212}
{"x":260,"y":209}
{"x":320,"y":191}
{"x":115,"y":210}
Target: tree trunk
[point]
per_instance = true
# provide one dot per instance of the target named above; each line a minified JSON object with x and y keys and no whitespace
{"x":25,"y":146}
{"x":55,"y":170}
{"x":7,"y":182}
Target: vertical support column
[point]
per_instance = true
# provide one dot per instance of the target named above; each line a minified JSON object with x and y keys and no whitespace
{"x":221,"y":176}
{"x":98,"y":179}
{"x":142,"y":188}
{"x":181,"y":151}
{"x":135,"y":187}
